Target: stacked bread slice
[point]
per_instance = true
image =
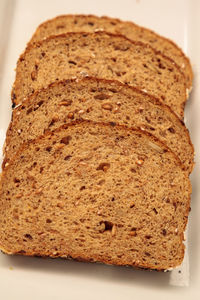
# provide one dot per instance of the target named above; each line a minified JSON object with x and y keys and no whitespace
{"x":89,"y":23}
{"x":97,"y":100}
{"x":97,"y":157}
{"x":101,"y":55}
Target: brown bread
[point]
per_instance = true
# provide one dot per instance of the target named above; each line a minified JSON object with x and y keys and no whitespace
{"x":97,"y":100}
{"x":96,"y":192}
{"x":100,"y":55}
{"x":89,"y":23}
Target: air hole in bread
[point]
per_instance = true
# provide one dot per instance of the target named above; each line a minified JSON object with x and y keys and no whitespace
{"x":155,"y":211}
{"x":113,"y":90}
{"x":147,"y":119}
{"x":161,"y":66}
{"x":21,"y":252}
{"x":28,"y":236}
{"x":52,"y":122}
{"x":48,"y":149}
{"x":106,"y":226}
{"x":29,"y":110}
{"x":48,"y":221}
{"x":148,"y":237}
{"x":72,"y":62}
{"x":16,"y":180}
{"x":171,"y":129}
{"x":82,"y":188}
{"x":65,"y":140}
{"x":103,"y":167}
{"x":133,"y":229}
{"x":40,"y":103}
{"x":34,"y":164}
{"x":175,"y":205}
{"x":67,"y":157}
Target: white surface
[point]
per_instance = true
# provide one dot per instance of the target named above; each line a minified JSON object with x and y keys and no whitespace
{"x":33,"y":278}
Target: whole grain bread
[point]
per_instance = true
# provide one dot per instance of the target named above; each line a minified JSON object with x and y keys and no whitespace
{"x":96,"y":192}
{"x":100,"y":55}
{"x":101,"y":101}
{"x":90,"y":23}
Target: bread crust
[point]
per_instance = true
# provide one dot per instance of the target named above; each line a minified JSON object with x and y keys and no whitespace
{"x":80,"y":258}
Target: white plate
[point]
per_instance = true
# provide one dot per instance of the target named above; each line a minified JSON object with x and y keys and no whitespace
{"x":34,"y":278}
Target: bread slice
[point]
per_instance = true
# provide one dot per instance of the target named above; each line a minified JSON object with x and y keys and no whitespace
{"x":100,"y":55}
{"x":96,"y":192}
{"x":89,"y":23}
{"x":97,"y":100}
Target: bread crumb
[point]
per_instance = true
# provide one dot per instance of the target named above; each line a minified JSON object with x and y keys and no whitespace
{"x":98,"y":29}
{"x":139,"y":162}
{"x":144,"y":90}
{"x":81,"y":111}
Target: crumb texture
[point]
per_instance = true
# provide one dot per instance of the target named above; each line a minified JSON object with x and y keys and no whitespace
{"x":96,"y":192}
